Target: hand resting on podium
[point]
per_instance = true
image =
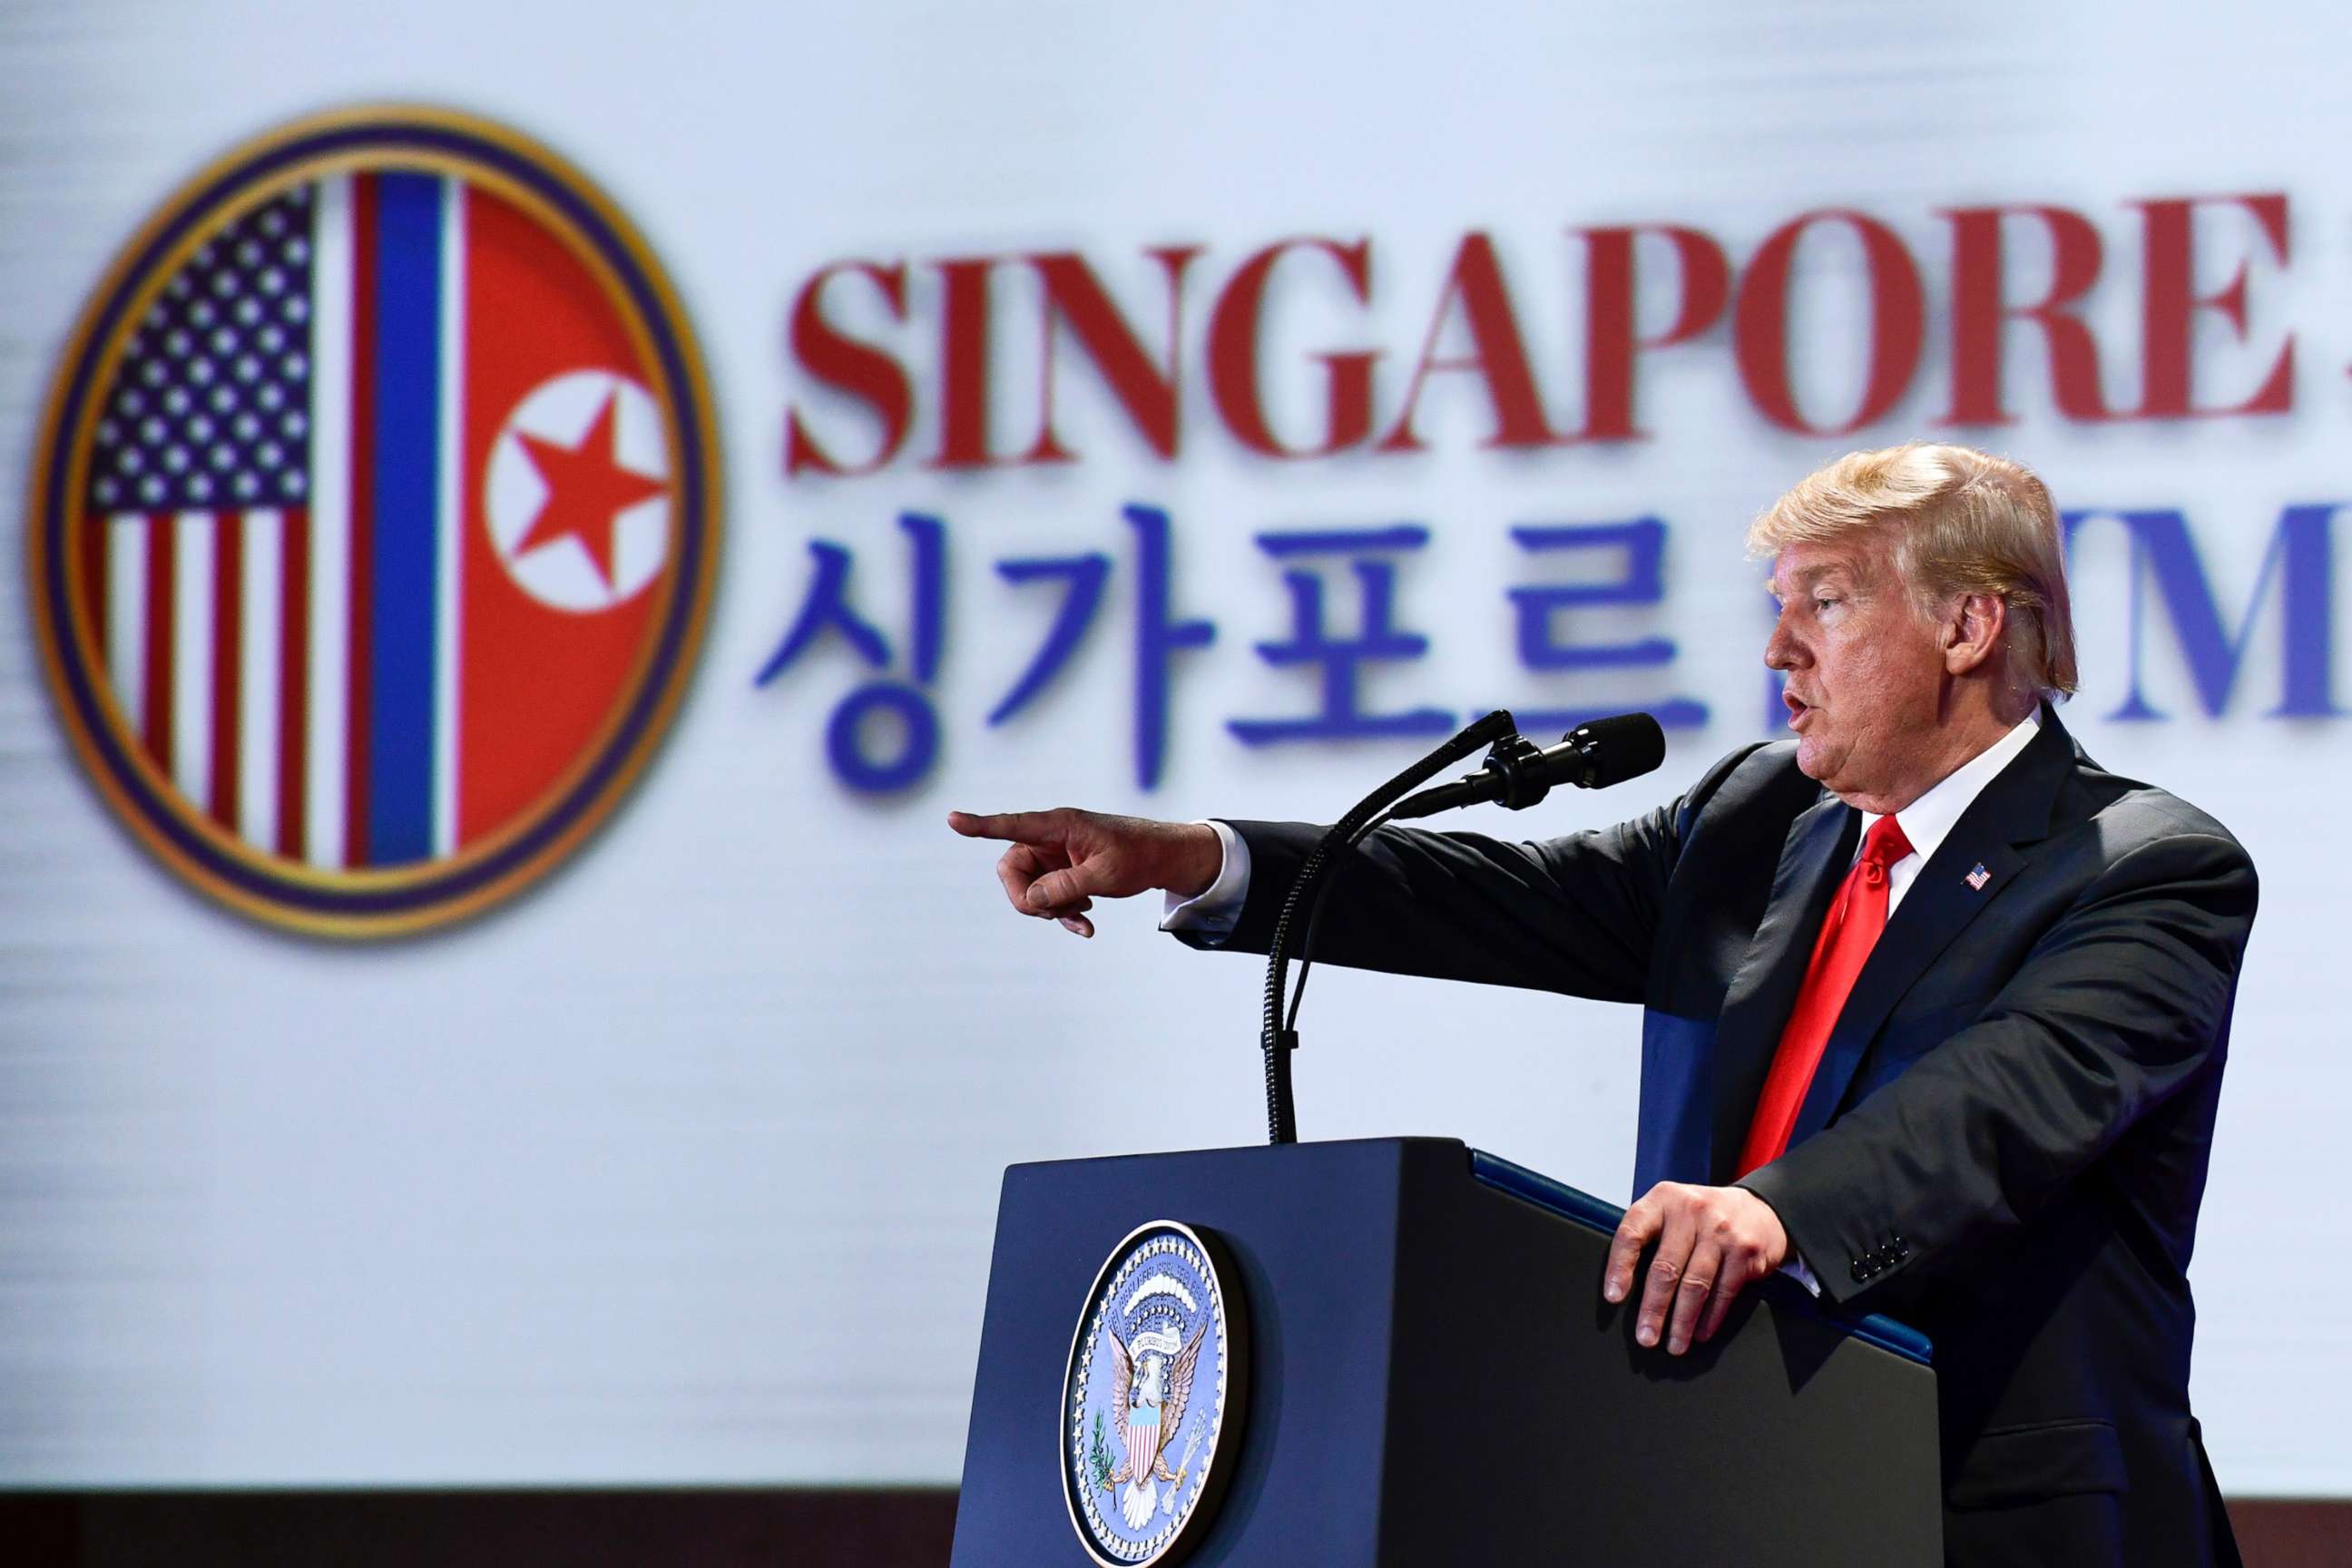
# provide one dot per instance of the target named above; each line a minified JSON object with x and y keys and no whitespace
{"x":1712,"y":1243}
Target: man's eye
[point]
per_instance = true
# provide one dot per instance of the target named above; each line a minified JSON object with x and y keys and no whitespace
{"x":1823,"y":604}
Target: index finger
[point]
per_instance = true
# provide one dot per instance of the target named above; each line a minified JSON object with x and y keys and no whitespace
{"x":1640,"y":1228}
{"x":1017,"y":825}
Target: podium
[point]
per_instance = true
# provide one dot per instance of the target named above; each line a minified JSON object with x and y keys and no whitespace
{"x":1434,"y":1380}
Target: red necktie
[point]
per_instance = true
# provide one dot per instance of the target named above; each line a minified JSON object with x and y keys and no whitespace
{"x":1848,"y":934}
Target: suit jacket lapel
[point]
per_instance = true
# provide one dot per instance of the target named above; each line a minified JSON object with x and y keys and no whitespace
{"x":2014,"y":808}
{"x":1813,"y":858}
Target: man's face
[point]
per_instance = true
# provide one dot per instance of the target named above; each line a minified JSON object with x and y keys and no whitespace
{"x":1865,"y":670}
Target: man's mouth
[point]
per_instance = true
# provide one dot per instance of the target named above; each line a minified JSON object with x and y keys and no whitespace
{"x":1798,"y":710}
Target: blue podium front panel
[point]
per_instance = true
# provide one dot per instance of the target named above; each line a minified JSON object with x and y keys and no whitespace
{"x":1435,"y":1381}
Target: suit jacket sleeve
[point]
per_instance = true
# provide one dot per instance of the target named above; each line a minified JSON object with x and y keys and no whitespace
{"x":1576,"y":914}
{"x":2121,"y":1005}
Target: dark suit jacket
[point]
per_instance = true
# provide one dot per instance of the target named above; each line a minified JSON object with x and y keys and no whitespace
{"x":2006,"y":1140}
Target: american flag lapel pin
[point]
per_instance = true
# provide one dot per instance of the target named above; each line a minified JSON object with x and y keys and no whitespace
{"x":1980,"y":877}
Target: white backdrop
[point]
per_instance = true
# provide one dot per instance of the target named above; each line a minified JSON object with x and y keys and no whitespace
{"x":684,"y":1166}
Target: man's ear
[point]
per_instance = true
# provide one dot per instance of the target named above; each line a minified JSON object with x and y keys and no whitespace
{"x":1971,"y":631}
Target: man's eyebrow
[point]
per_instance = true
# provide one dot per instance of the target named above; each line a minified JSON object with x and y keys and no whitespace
{"x":1805,"y":578}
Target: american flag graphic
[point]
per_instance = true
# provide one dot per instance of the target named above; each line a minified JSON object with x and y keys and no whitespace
{"x":322,"y":619}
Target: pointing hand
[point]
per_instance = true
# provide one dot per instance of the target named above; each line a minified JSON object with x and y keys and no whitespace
{"x":1062,"y":861}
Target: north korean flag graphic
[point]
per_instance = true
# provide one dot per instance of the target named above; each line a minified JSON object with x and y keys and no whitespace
{"x":567,"y":521}
{"x":452,"y":504}
{"x":391,"y":527}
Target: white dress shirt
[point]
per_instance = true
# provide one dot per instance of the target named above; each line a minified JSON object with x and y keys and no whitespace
{"x":1929,"y":820}
{"x":1217,"y":908}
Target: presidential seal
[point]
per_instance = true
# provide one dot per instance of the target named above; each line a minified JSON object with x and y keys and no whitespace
{"x":1153,"y":1400}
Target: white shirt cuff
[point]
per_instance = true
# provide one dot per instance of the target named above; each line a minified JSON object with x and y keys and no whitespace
{"x":1796,"y":1269}
{"x":1214,"y":912}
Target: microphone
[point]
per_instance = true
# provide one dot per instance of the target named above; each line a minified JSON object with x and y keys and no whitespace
{"x":1590,"y":756}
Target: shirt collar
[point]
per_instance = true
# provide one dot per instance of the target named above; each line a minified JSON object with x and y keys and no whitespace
{"x":1928,"y":820}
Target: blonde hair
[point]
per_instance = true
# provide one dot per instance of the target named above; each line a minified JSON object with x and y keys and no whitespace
{"x":1961,"y":521}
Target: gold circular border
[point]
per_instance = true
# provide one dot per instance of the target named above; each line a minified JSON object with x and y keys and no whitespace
{"x":696,"y":392}
{"x":1233,"y":1403}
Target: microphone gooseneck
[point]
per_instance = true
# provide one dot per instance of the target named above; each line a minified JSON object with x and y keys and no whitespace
{"x":1275,"y":1037}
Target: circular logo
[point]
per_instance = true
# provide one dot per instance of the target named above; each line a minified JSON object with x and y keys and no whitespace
{"x":1153,"y":1399}
{"x":374,"y":522}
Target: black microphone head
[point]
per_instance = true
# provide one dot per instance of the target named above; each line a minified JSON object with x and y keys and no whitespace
{"x":1617,"y":748}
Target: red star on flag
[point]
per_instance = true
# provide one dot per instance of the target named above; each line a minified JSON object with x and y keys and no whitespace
{"x":587,"y":490}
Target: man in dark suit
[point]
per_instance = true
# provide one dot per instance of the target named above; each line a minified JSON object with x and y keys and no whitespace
{"x":1935,"y":1007}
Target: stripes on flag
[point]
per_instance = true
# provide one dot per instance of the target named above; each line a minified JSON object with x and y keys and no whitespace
{"x":291,"y":805}
{"x":190,"y":645}
{"x":290,"y":669}
{"x":326,"y":736}
{"x":225,"y":628}
{"x":197,"y":647}
{"x":349,"y":792}
{"x":122,"y":570}
{"x":157,"y":712}
{"x":406,"y":357}
{"x":258,"y":657}
{"x":448,"y":499}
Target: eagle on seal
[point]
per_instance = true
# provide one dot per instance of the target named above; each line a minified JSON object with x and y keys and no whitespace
{"x":1149,"y":1412}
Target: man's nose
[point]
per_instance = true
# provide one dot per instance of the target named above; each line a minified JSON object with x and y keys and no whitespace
{"x":1781,"y":651}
